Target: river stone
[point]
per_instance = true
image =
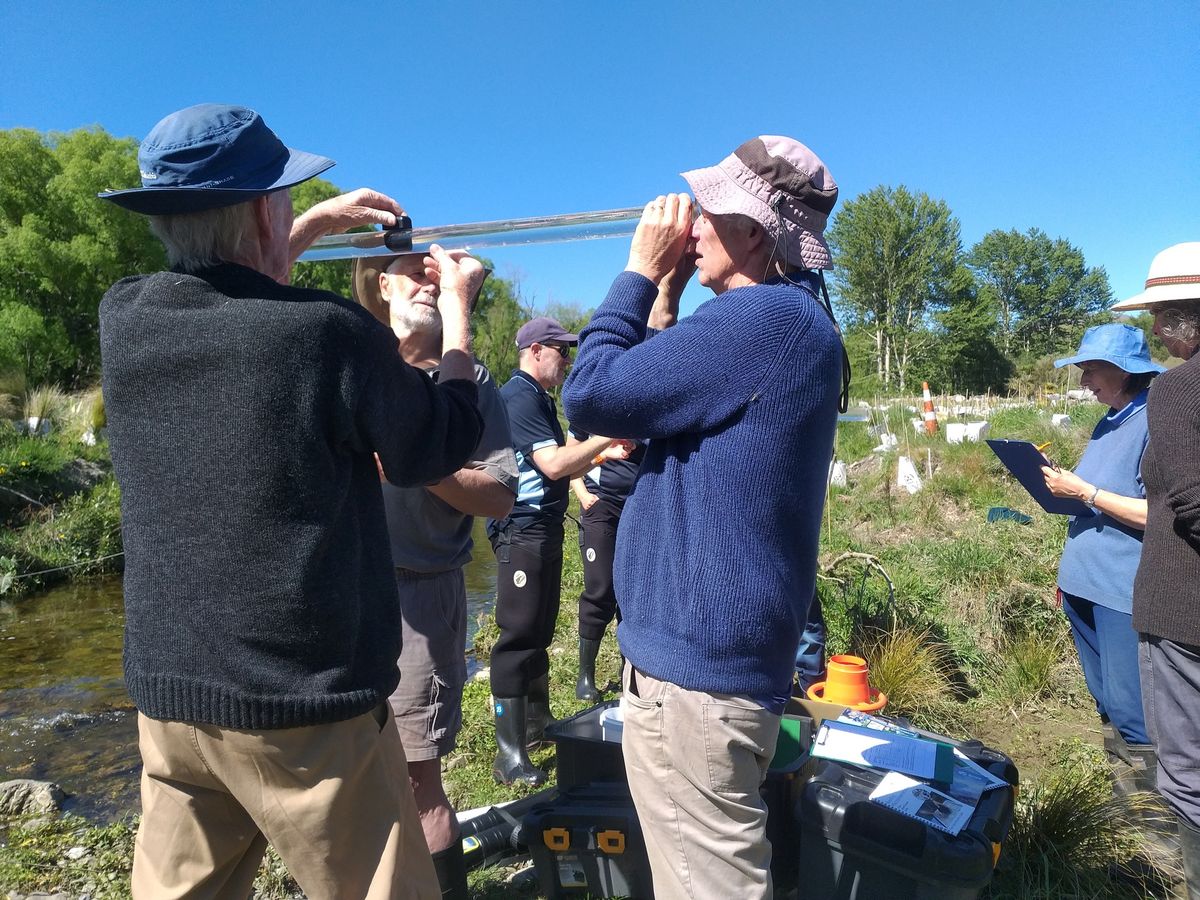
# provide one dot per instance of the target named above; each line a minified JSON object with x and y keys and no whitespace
{"x":24,"y":797}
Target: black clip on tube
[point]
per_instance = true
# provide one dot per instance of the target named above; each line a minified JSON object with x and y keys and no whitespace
{"x":398,"y":238}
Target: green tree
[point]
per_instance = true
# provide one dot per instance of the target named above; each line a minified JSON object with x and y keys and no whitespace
{"x":494,"y":323}
{"x":1043,"y":290}
{"x":60,"y":246}
{"x":965,"y":355}
{"x":895,"y":255}
{"x":31,"y":347}
{"x":332,"y":275}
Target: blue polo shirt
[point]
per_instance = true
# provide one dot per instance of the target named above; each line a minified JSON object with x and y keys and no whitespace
{"x":533,"y":420}
{"x":1101,"y":556}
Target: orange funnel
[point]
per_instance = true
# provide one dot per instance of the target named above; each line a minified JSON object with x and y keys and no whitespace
{"x":846,"y":685}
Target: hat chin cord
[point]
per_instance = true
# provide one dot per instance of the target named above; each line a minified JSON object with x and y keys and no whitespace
{"x":782,"y":268}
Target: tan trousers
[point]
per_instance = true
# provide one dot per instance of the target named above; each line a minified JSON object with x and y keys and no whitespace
{"x":334,"y":800}
{"x":695,"y":762}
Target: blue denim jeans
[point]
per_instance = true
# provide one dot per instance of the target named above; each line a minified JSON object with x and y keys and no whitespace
{"x":810,"y":655}
{"x":1108,"y":653}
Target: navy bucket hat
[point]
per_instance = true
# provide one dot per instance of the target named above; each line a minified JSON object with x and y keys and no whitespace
{"x":213,"y":155}
{"x":1122,"y":345}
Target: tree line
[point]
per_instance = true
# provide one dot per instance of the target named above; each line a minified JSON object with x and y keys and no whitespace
{"x":913,"y":302}
{"x":917,"y":306}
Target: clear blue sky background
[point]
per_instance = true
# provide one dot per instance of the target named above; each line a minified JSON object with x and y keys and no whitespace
{"x":1079,"y":118}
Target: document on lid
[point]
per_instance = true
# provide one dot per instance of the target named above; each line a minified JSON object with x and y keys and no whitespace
{"x":859,"y":746}
{"x":923,"y":803}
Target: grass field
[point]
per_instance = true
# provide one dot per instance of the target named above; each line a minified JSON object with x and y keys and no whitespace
{"x":956,"y":617}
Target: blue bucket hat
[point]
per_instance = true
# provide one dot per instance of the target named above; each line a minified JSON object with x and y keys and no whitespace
{"x":213,"y":155}
{"x":1122,"y":345}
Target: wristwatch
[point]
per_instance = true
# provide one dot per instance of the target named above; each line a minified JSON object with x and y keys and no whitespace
{"x":1091,"y":501}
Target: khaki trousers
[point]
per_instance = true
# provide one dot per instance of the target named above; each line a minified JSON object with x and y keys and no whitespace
{"x":695,"y":762}
{"x":334,"y":800}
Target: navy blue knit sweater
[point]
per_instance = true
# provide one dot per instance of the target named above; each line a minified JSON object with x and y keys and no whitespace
{"x":717,"y":547}
{"x":242,"y":415}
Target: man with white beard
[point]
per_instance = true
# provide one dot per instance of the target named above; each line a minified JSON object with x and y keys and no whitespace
{"x":430,"y":531}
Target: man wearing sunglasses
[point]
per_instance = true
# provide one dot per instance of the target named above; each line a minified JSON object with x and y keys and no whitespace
{"x":529,"y":542}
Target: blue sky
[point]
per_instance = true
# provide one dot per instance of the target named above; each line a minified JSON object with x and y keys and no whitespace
{"x":1080,"y":118}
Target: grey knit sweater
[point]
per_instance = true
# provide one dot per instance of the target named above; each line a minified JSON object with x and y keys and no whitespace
{"x":242,"y":418}
{"x":1164,"y":592}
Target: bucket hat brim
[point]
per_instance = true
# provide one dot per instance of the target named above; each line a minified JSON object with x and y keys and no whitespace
{"x":1159,"y":295}
{"x":364,"y":283}
{"x":1130,"y":364}
{"x":717,"y":192}
{"x":299,"y":166}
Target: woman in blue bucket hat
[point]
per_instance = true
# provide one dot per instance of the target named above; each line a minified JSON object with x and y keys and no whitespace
{"x":1104,"y":545}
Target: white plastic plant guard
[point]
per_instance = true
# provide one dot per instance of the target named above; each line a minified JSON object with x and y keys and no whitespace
{"x":887,"y":441}
{"x":977,"y":431}
{"x":837,"y":473}
{"x":956,"y":432}
{"x":906,"y":475}
{"x":1060,"y":420}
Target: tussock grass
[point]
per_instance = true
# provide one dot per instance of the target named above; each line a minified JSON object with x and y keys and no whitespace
{"x":914,"y":669}
{"x":1027,"y":668}
{"x":48,"y":401}
{"x":1070,"y":836}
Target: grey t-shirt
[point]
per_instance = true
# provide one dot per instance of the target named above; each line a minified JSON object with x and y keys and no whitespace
{"x":428,"y":534}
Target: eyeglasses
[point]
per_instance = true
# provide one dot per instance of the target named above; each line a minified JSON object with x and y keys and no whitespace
{"x":564,"y":350}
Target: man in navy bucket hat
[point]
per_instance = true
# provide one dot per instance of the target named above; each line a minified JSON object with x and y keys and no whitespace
{"x":262,"y":620}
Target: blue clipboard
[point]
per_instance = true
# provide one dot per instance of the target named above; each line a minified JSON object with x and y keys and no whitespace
{"x":1025,"y":462}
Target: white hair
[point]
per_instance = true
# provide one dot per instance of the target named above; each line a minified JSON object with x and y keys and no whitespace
{"x":197,"y":240}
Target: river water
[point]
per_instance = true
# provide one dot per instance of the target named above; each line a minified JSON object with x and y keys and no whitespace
{"x":64,"y":713}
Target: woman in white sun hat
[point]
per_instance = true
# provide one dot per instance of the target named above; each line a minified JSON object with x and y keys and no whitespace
{"x":1166,"y":612}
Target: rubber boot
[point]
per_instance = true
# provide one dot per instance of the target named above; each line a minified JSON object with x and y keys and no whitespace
{"x":539,"y":712}
{"x":451,"y":871}
{"x":1189,"y":840}
{"x":512,"y":762}
{"x":1135,"y":771}
{"x":1120,"y":762}
{"x":585,"y":685}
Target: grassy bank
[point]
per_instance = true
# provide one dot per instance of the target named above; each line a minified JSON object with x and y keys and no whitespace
{"x":955,"y":615}
{"x":59,"y":504}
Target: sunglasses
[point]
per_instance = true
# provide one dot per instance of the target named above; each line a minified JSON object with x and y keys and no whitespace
{"x":564,"y":350}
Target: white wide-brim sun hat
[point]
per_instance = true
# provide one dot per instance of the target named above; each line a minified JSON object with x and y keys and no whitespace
{"x":1174,"y":276}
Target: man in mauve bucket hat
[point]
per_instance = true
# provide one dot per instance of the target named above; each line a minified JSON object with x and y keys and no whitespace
{"x":717,"y":550}
{"x":262,"y":624}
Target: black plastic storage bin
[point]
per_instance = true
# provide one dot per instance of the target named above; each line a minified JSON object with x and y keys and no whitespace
{"x":587,"y":842}
{"x":852,"y":848}
{"x":583,"y":756}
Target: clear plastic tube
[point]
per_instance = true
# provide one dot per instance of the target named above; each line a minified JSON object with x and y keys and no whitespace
{"x":585,"y":226}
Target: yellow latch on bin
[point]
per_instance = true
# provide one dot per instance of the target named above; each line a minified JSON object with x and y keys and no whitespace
{"x":610,"y":841}
{"x":557,"y":839}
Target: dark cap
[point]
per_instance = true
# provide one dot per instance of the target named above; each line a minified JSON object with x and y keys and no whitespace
{"x":542,"y":330}
{"x":209,"y":156}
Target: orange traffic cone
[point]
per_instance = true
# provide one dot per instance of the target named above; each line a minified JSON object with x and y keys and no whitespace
{"x":846,"y":685}
{"x":930,"y":418}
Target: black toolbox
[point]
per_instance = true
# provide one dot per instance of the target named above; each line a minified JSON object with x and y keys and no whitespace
{"x":587,"y":842}
{"x":852,"y":848}
{"x":589,"y":764}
